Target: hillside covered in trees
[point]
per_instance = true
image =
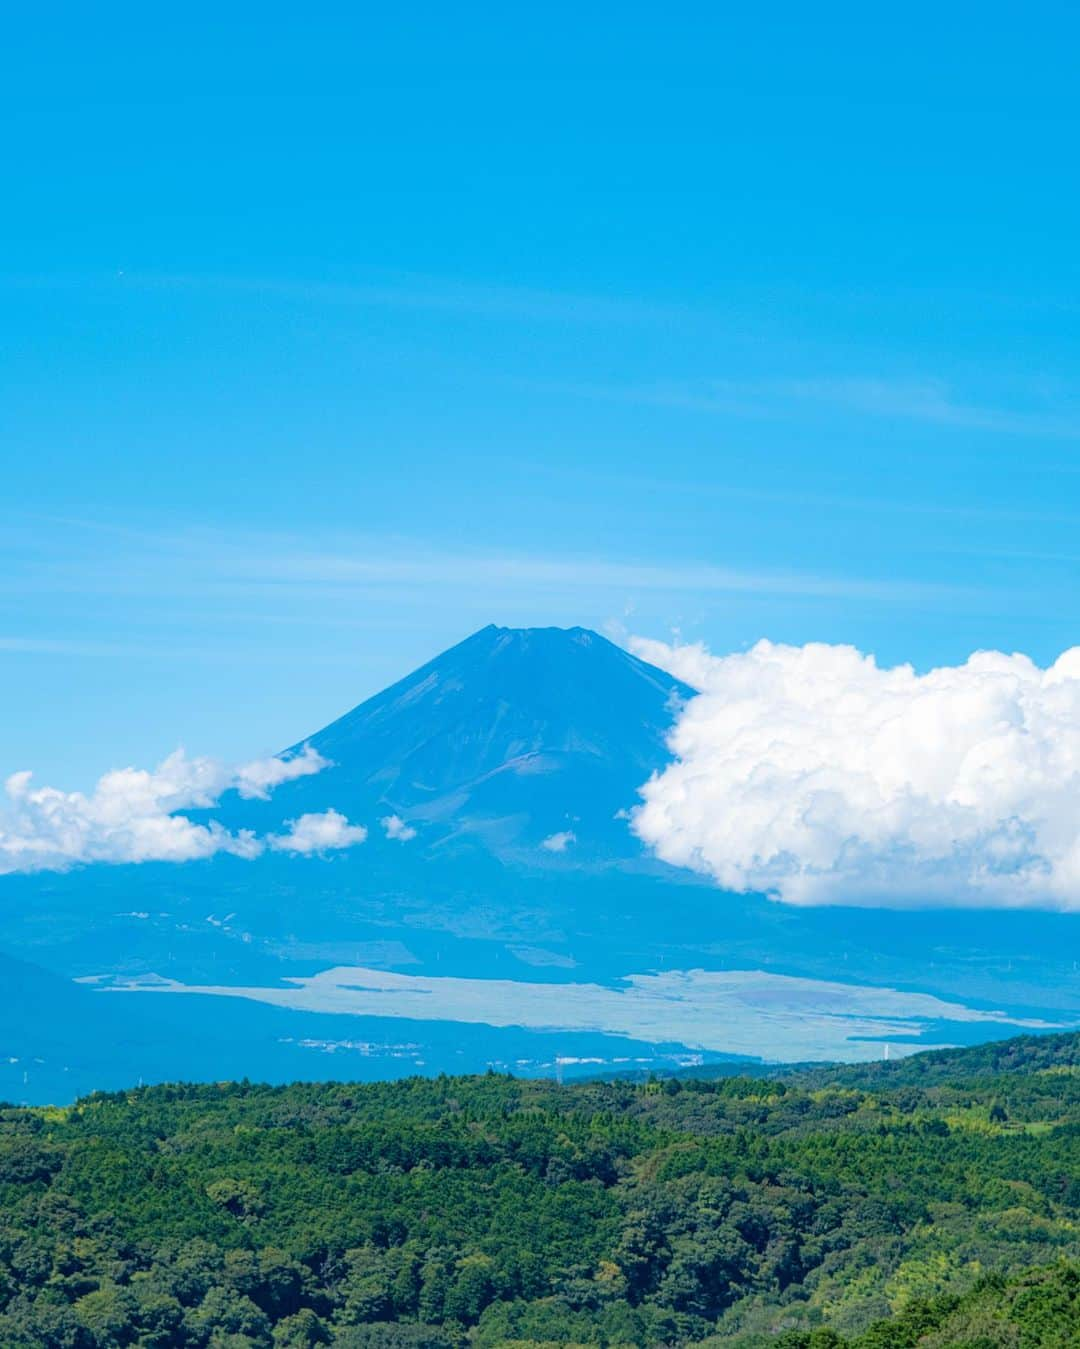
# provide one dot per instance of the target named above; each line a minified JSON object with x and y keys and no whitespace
{"x":935,"y":1201}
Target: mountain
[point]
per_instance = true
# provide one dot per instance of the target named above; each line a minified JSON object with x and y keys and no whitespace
{"x":510,"y":917}
{"x":503,"y":699}
{"x":512,"y":736}
{"x":510,"y":759}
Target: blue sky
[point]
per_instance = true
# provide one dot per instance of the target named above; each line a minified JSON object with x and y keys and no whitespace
{"x":328,"y":336}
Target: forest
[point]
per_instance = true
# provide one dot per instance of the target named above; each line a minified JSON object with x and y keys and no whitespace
{"x":931,"y":1201}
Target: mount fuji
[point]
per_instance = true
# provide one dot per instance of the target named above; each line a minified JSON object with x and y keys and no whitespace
{"x":508,"y":738}
{"x":501,"y":910}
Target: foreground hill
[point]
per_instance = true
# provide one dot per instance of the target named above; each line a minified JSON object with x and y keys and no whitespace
{"x":1040,"y":1307}
{"x":490,"y":1211}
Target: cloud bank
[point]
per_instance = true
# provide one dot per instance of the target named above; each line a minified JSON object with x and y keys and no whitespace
{"x":131,"y":815}
{"x":813,"y":775}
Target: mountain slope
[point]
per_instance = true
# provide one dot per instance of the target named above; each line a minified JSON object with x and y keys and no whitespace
{"x":512,"y":735}
{"x":502,"y":696}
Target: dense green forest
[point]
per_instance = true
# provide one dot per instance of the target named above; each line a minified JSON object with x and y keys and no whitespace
{"x":934,"y":1201}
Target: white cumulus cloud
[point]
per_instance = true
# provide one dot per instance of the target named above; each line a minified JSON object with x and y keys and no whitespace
{"x":396,"y":828}
{"x":559,"y":842}
{"x":258,"y":779}
{"x":324,"y":832}
{"x":131,"y":815}
{"x":814,"y":775}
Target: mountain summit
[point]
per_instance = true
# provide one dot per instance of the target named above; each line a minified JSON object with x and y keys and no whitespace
{"x":516,"y":733}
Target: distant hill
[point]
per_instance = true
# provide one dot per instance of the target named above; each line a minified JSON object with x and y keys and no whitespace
{"x":1019,"y":1054}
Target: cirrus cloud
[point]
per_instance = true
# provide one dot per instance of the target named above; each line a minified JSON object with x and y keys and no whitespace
{"x":816,"y":776}
{"x":132,"y":815}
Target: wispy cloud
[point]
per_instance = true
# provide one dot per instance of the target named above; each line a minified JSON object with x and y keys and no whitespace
{"x":55,"y":646}
{"x":384,"y":290}
{"x":455,"y":569}
{"x":137,"y":598}
{"x":928,"y":400}
{"x":227,"y":561}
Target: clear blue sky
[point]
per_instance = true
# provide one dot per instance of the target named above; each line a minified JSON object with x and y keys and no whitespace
{"x":327,"y":336}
